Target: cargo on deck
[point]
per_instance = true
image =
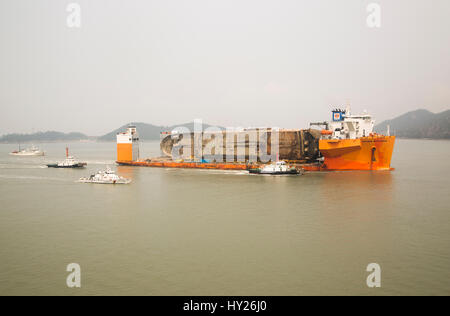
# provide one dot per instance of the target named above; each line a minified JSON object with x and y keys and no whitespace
{"x":345,"y":143}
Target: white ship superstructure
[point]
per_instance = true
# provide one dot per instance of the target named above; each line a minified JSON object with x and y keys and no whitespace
{"x":105,"y":177}
{"x":344,"y":125}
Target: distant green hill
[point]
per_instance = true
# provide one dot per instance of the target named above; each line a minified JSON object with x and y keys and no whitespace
{"x":50,"y":136}
{"x":419,"y":124}
{"x":147,"y":131}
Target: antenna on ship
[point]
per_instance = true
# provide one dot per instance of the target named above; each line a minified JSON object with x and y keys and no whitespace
{"x":388,"y":132}
{"x":347,"y":108}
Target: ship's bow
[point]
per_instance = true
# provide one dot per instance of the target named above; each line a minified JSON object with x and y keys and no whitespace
{"x":365,"y":153}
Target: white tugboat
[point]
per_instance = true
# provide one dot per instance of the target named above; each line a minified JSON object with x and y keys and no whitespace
{"x":29,"y":152}
{"x":277,"y":168}
{"x":105,"y":177}
{"x":70,"y":162}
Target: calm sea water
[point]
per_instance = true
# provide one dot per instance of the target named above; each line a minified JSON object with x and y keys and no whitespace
{"x":197,"y":232}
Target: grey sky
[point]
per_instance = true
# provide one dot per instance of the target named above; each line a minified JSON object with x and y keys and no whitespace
{"x":230,"y":62}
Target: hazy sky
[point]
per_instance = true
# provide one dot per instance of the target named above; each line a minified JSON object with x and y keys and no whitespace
{"x":230,"y":62}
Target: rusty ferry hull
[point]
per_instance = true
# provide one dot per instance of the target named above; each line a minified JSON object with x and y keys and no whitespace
{"x":366,"y":153}
{"x":234,"y":152}
{"x":243,"y":146}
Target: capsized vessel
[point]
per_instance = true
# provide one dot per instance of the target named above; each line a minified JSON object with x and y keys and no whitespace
{"x":105,"y":177}
{"x":70,"y":162}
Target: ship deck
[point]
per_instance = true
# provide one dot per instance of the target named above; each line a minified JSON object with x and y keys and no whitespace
{"x":162,"y":162}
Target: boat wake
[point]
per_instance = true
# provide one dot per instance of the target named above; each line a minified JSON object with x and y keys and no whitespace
{"x":104,"y":162}
{"x":10,"y":166}
{"x":17,"y":177}
{"x":210,"y":171}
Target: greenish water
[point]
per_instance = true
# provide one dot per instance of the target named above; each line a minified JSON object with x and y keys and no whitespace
{"x":198,"y":232}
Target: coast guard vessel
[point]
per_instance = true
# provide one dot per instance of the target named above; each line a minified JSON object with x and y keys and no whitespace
{"x":105,"y":177}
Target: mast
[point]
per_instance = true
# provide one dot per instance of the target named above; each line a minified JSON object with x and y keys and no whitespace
{"x":347,"y":108}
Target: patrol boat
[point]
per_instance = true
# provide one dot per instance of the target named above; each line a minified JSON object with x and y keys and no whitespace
{"x":70,"y":162}
{"x":105,"y":177}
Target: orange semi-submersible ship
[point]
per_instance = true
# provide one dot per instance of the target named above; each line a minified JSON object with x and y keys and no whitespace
{"x":349,"y":143}
{"x":345,"y":143}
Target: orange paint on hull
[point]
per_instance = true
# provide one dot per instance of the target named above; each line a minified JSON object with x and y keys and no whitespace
{"x":312,"y":167}
{"x":366,"y":153}
{"x":124,"y":152}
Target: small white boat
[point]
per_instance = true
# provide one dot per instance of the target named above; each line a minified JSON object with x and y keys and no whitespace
{"x":105,"y":177}
{"x":29,"y":152}
{"x":70,"y":162}
{"x":277,"y":168}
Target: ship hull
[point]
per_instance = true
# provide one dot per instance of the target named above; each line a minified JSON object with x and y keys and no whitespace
{"x":184,"y":165}
{"x":288,"y":172}
{"x":76,"y":166}
{"x":39,"y":154}
{"x":365,"y":153}
{"x":104,"y":182}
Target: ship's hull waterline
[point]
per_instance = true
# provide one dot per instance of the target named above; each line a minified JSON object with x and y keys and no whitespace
{"x":76,"y":166}
{"x":366,"y":153}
